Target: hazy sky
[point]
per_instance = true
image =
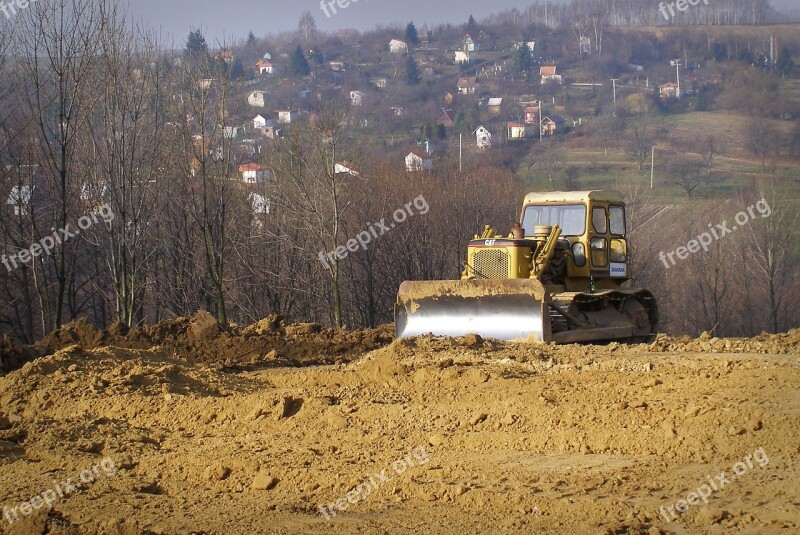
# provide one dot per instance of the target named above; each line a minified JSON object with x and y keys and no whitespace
{"x":234,"y":18}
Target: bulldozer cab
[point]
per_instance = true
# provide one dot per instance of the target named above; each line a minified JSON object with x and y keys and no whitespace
{"x":593,"y":234}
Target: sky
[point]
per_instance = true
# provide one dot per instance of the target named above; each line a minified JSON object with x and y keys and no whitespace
{"x":233,"y":19}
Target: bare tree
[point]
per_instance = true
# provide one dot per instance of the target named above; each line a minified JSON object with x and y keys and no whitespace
{"x":56,"y":53}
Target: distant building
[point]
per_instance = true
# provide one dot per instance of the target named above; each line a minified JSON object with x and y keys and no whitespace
{"x":397,"y":46}
{"x":445,"y":119}
{"x":264,"y":66}
{"x":483,"y":138}
{"x":254,"y":173}
{"x":471,"y":43}
{"x":287,"y":116}
{"x":357,"y":97}
{"x":548,"y":73}
{"x":417,"y":160}
{"x":669,"y":90}
{"x":552,"y":124}
{"x":461,"y":56}
{"x":345,"y":167}
{"x":532,"y":115}
{"x":516,"y":131}
{"x":468,"y":85}
{"x":256,"y":98}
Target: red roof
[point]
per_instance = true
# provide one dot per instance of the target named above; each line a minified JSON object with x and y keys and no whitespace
{"x":251,"y":167}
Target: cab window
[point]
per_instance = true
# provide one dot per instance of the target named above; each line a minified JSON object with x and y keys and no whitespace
{"x":617,"y":217}
{"x":599,"y":219}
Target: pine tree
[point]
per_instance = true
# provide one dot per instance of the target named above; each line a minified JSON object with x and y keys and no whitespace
{"x":522,"y":59}
{"x":251,"y":40}
{"x":412,"y":72}
{"x":411,"y":34}
{"x":196,"y":44}
{"x":298,"y":64}
{"x":472,"y":26}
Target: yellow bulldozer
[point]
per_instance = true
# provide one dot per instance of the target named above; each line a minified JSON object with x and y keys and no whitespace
{"x":557,"y":277}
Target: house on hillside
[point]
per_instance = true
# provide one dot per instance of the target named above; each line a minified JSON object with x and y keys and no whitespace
{"x":357,"y":97}
{"x":286,"y":116}
{"x":380,"y":82}
{"x":462,"y":56}
{"x":259,"y":121}
{"x":517,"y":131}
{"x":418,"y":160}
{"x":337,"y":66}
{"x":264,"y":66}
{"x":256,"y":99}
{"x":494,"y":104}
{"x":483,"y":138}
{"x":532,"y":115}
{"x":471,"y":43}
{"x":669,"y":90}
{"x":254,"y":173}
{"x":397,"y":46}
{"x":445,"y":119}
{"x":552,"y":124}
{"x":345,"y":167}
{"x":548,"y":73}
{"x":468,"y":85}
{"x":259,"y":203}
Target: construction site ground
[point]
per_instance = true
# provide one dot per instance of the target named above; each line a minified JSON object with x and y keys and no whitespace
{"x":184,"y":428}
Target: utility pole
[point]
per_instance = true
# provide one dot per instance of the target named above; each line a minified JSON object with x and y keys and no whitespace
{"x":541,"y":106}
{"x":652,"y":165}
{"x":459,"y":152}
{"x":546,"y":23}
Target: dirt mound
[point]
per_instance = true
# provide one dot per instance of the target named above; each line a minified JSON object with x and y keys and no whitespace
{"x":199,"y":338}
{"x":430,"y":435}
{"x":779,"y":344}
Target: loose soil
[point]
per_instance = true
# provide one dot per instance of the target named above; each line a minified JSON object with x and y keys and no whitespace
{"x":193,"y":429}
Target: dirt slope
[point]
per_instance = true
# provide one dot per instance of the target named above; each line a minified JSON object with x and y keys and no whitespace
{"x":425,"y":435}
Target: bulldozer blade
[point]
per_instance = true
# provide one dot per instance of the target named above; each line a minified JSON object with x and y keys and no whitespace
{"x":507,"y":309}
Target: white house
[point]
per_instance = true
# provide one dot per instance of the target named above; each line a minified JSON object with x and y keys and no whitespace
{"x":356,"y":97}
{"x":397,"y":46}
{"x":286,"y":116}
{"x":259,"y":121}
{"x":256,"y":98}
{"x":483,"y":138}
{"x":231,"y":132}
{"x":462,"y":56}
{"x":548,"y":73}
{"x":345,"y":167}
{"x":259,"y":202}
{"x":254,"y":173}
{"x":418,"y":161}
{"x":264,"y":66}
{"x":471,"y":43}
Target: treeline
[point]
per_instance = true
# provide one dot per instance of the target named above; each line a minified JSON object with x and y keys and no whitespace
{"x":98,"y":117}
{"x":641,"y":13}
